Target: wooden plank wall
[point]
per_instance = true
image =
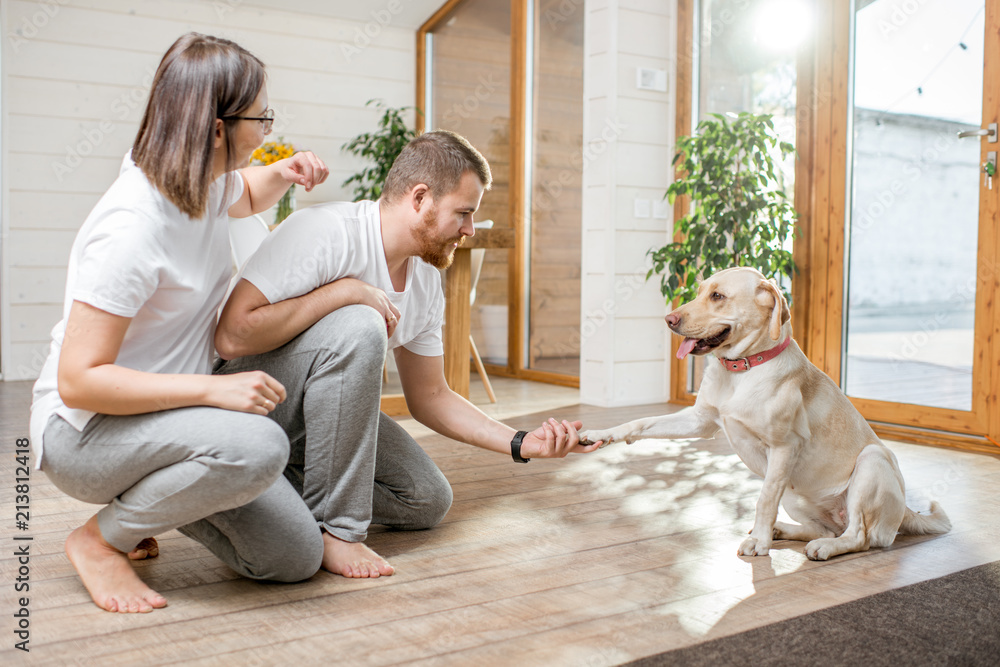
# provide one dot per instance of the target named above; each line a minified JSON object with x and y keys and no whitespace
{"x":75,"y":82}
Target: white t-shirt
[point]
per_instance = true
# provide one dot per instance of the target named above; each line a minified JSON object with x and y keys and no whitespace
{"x":138,"y":256}
{"x":317,"y":245}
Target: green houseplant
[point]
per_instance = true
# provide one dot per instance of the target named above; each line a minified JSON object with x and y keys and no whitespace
{"x":741,"y":215}
{"x":380,"y":147}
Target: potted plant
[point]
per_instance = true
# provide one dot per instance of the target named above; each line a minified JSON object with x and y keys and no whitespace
{"x":741,"y":215}
{"x":381,"y":147}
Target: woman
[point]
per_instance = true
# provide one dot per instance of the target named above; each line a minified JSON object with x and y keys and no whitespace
{"x":126,"y":412}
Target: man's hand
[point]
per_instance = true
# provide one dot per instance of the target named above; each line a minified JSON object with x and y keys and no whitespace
{"x":304,"y":169}
{"x":554,"y":439}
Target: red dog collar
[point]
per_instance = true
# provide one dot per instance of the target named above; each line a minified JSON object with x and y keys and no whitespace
{"x":746,"y":363}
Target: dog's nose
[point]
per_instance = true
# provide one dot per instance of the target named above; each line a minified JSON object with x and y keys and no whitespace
{"x":673,"y":319}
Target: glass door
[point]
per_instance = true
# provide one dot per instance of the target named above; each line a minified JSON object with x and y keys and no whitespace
{"x":921,"y":214}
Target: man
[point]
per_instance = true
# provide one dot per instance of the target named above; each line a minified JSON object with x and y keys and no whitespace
{"x":316,"y":308}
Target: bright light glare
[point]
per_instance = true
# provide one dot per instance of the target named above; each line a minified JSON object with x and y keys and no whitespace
{"x":781,"y":26}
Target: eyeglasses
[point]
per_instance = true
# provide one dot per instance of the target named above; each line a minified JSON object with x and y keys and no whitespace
{"x":266,"y":121}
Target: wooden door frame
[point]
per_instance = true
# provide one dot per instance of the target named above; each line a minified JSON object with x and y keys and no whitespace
{"x":821,"y":200}
{"x":518,"y":256}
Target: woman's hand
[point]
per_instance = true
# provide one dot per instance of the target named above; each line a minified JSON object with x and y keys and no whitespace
{"x":304,"y":169}
{"x":255,"y":392}
{"x":368,"y":295}
{"x":266,"y":185}
{"x":89,"y":379}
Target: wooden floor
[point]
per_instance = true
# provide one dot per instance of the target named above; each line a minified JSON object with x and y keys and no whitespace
{"x":594,"y":560}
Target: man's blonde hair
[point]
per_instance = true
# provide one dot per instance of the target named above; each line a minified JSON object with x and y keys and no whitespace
{"x":437,"y":159}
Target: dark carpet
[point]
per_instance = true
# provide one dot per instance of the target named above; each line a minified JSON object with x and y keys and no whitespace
{"x":954,"y":620}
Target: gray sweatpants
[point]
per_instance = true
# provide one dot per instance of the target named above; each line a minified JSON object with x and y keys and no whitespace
{"x":340,"y":441}
{"x":216,"y":475}
{"x":209,"y":470}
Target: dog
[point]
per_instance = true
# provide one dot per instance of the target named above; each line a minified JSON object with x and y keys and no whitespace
{"x":787,"y":421}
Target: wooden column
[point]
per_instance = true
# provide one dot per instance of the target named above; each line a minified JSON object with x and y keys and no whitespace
{"x":457,"y":322}
{"x":682,"y":128}
{"x":457,"y":309}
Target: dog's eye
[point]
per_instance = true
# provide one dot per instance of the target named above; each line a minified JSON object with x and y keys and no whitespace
{"x":717,"y":297}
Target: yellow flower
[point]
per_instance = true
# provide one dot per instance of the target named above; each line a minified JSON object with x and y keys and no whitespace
{"x":272,"y":151}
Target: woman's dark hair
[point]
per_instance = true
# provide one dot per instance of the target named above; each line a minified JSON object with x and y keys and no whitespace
{"x":200,"y":78}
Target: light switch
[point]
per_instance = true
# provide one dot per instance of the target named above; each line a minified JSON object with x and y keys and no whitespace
{"x":661,"y":209}
{"x":647,"y":78}
{"x":642,"y":208}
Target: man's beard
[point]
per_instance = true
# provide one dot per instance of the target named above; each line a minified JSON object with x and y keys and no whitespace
{"x":432,"y":250}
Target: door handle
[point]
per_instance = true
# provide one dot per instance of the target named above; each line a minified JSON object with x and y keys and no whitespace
{"x":990,"y":133}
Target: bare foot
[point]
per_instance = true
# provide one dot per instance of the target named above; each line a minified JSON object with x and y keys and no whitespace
{"x":353,"y":559}
{"x":108,"y":574}
{"x":148,"y":548}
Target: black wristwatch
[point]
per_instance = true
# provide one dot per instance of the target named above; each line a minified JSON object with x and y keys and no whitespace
{"x":515,"y":447}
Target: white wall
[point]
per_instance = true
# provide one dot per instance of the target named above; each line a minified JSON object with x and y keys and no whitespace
{"x":75,"y":78}
{"x":915,"y":218}
{"x":629,"y":135}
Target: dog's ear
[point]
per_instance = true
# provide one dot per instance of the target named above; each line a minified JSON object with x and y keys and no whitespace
{"x":769,"y":295}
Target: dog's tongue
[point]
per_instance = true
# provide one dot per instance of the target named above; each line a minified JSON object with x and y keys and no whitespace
{"x":686,"y":347}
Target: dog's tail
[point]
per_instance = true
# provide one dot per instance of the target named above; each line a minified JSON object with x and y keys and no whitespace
{"x":925,"y":524}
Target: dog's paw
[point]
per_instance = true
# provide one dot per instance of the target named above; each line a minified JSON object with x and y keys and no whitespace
{"x":605,"y":437}
{"x":784,"y":532}
{"x":590,"y":437}
{"x":821,"y":549}
{"x":754,"y":547}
